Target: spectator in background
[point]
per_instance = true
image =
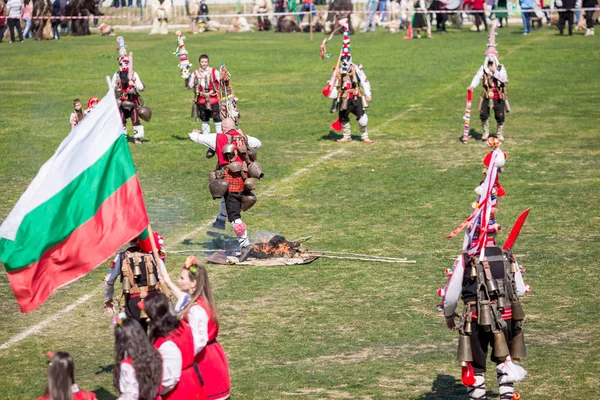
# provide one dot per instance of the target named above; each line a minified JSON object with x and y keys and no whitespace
{"x":501,"y":12}
{"x":382,"y":7}
{"x":565,"y":16}
{"x":440,"y":18}
{"x":2,"y":20}
{"x":371,"y":8}
{"x":61,"y":382}
{"x":27,"y":18}
{"x":14,"y":8}
{"x":526,"y":10}
{"x":55,"y":21}
{"x":307,"y":5}
{"x":589,"y":16}
{"x":478,"y":8}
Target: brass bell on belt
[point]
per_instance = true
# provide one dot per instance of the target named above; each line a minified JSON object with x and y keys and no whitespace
{"x":126,"y":285}
{"x":491,"y":286}
{"x":468,"y":328}
{"x":517,"y":347}
{"x":513,"y":267}
{"x":137,"y":271}
{"x":464,"y":349}
{"x":485,"y":317}
{"x":501,"y":302}
{"x":152,"y":279}
{"x":517,"y":311}
{"x":500,"y":347}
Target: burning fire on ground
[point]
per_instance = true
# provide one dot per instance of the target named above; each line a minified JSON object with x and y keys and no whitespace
{"x":278,"y":246}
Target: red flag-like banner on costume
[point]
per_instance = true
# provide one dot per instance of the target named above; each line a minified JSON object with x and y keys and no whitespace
{"x":83,"y":205}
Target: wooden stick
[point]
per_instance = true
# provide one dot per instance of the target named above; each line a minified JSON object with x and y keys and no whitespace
{"x":158,"y":262}
{"x":310,"y":25}
{"x":368,"y":259}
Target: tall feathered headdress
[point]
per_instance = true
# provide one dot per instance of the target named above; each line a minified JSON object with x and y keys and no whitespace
{"x":182,"y":53}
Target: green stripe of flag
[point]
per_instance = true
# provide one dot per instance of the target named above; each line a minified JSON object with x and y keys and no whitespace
{"x":53,"y":221}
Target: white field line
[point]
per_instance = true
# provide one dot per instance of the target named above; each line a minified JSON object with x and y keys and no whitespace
{"x":38,"y":327}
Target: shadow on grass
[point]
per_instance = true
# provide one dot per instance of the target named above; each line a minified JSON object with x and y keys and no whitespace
{"x":333,"y":136}
{"x":446,"y":387}
{"x":473,"y":134}
{"x":131,"y":140}
{"x":103,"y":394}
{"x":180,"y":137}
{"x":104,"y":369}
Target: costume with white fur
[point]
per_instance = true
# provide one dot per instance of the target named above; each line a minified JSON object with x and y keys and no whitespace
{"x":494,"y":89}
{"x":489,"y":281}
{"x":127,"y":85}
{"x":344,"y":88}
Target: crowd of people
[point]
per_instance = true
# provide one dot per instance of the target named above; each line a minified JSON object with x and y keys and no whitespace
{"x":416,"y":16}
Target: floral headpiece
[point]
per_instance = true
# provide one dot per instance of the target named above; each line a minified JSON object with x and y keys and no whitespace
{"x":118,"y":320}
{"x":190,"y":264}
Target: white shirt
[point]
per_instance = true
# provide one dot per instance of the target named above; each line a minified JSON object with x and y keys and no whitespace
{"x":500,"y":74}
{"x":198,"y":321}
{"x":204,"y":77}
{"x":172,"y":365}
{"x":14,"y":8}
{"x":128,"y":384}
{"x":139,"y":85}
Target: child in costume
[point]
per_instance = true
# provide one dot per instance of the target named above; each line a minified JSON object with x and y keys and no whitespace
{"x":138,"y":366}
{"x":205,"y":81}
{"x":77,"y":114}
{"x":197,"y":306}
{"x":61,"y":380}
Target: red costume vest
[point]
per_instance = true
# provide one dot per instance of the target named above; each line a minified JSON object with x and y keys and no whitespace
{"x":189,"y":386}
{"x":212,"y":360}
{"x":210,"y":91}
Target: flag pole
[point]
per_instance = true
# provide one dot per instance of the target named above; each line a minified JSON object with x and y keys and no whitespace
{"x":157,"y":260}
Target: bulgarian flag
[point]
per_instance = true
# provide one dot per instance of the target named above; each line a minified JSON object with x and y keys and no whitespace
{"x":83,"y":205}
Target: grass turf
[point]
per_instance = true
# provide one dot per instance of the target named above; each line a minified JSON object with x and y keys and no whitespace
{"x":335,"y":328}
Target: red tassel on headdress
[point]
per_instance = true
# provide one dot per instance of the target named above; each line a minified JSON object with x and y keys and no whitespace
{"x":468,"y":375}
{"x":337,"y":125}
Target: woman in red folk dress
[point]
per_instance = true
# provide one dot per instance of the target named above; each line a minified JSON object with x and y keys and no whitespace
{"x":198,"y":308}
{"x":138,"y":366}
{"x":181,"y":378}
{"x":61,"y":381}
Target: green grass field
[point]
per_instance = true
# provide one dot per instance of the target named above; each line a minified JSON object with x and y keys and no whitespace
{"x":336,"y":328}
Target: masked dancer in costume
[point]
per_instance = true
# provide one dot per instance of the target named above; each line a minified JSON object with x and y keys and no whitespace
{"x":128,"y":85}
{"x":493,"y":78}
{"x":488,"y":280}
{"x":344,"y":88}
{"x":234,"y":179}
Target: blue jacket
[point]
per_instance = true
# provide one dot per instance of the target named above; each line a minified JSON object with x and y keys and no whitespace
{"x":526,"y":4}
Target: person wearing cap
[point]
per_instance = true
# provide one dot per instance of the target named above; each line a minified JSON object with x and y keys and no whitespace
{"x":493,"y":77}
{"x":92,"y":103}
